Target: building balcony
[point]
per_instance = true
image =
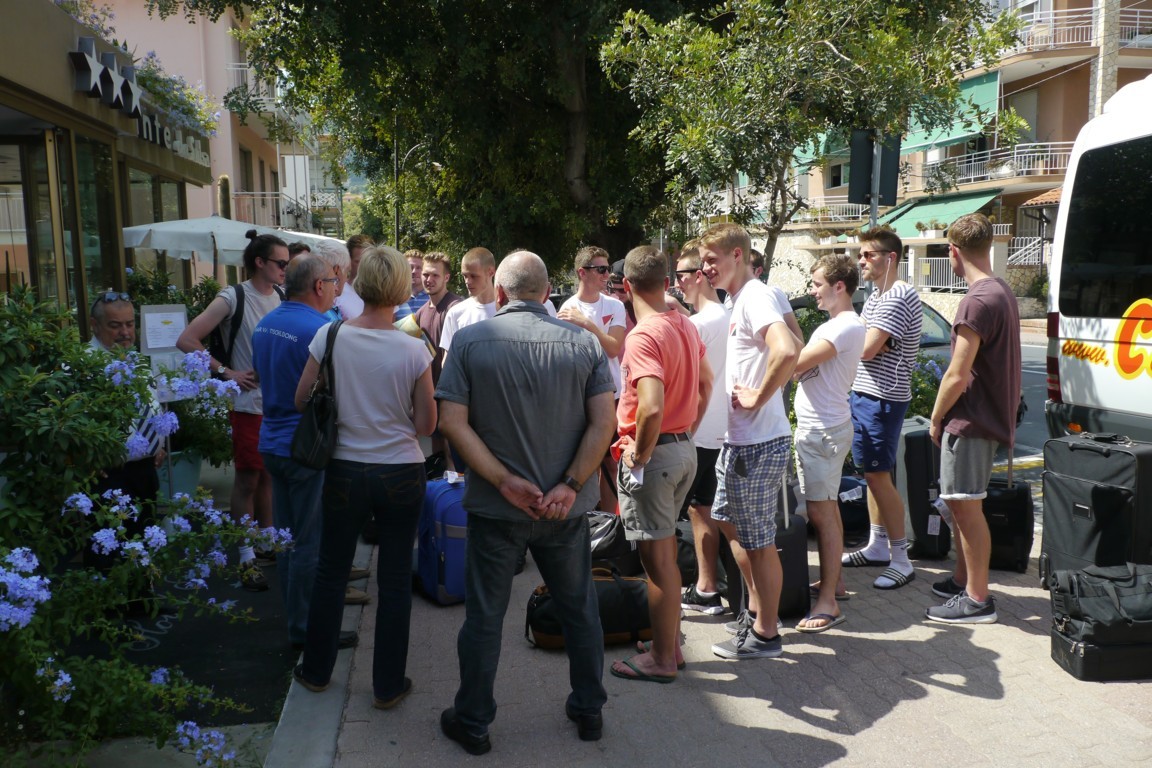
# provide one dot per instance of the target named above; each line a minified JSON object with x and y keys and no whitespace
{"x":1024,"y":162}
{"x":1055,"y":29}
{"x":272,"y":209}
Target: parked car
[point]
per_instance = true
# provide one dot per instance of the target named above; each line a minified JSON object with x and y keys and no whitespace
{"x":935,"y":331}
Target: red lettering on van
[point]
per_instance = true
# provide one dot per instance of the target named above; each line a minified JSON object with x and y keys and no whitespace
{"x":1136,"y":328}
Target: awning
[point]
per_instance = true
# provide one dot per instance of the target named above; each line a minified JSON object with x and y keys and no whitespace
{"x":1051,"y":197}
{"x":981,"y":92}
{"x":944,"y":208}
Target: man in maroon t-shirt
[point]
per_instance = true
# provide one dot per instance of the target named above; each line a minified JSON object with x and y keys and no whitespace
{"x":975,"y":412}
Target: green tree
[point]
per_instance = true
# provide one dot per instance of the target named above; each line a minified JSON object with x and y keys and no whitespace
{"x":745,"y":85}
{"x":508,"y":99}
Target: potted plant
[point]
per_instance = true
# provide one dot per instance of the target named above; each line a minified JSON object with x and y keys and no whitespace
{"x":826,"y":236}
{"x":853,"y":235}
{"x":921,"y":227}
{"x":935,"y":228}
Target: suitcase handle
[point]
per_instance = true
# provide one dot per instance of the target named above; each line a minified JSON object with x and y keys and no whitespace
{"x":1088,"y":445}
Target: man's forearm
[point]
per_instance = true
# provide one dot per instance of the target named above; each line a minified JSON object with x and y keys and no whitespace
{"x":475,"y":453}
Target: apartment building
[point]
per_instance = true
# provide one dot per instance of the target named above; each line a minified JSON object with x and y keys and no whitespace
{"x":1071,"y":57}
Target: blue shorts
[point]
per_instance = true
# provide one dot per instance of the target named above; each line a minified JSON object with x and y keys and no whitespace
{"x":876,"y":424}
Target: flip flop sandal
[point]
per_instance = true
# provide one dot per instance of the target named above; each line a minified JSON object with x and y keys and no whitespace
{"x":832,"y":621}
{"x":898,"y":579}
{"x":641,"y":676}
{"x":645,"y":646}
{"x":858,"y":559}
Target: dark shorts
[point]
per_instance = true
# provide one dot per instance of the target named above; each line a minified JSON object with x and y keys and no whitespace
{"x":703,"y":490}
{"x":876,"y":423}
{"x":246,"y":440}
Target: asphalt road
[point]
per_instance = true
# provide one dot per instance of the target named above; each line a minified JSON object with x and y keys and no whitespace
{"x":1032,"y":432}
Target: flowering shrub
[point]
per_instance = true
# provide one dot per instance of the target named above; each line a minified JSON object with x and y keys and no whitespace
{"x":187,"y":106}
{"x":199,"y":418}
{"x":65,"y":415}
{"x":925,"y":380}
{"x":98,"y":18}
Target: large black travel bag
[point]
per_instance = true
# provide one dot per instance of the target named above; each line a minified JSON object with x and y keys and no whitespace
{"x":1011,"y":518}
{"x":1091,"y":662}
{"x":792,"y":544}
{"x":1097,"y":503}
{"x":930,"y":538}
{"x":623,"y":603}
{"x":1104,"y":605}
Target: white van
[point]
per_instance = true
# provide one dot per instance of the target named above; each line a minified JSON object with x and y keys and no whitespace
{"x":1100,"y":285}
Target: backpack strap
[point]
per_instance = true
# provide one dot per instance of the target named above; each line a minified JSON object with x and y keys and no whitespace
{"x":236,"y":322}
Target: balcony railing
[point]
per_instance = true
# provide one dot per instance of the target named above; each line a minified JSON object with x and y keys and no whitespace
{"x":272,"y":209}
{"x":1025,"y":250}
{"x":1136,"y":29}
{"x":831,"y":209}
{"x":265,"y":91}
{"x":1056,"y":29}
{"x":1037,"y":159}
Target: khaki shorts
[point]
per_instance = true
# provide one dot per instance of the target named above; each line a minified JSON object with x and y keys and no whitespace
{"x":649,"y":510}
{"x":820,"y":455}
{"x":965,"y":466}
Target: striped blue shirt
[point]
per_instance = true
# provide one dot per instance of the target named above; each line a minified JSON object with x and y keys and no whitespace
{"x":888,"y":375}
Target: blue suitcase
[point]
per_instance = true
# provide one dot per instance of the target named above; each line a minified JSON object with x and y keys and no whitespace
{"x":440,"y":540}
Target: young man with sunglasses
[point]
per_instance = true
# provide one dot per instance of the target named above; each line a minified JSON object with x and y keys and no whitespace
{"x":879,"y":400}
{"x":265,"y":261}
{"x":594,"y":310}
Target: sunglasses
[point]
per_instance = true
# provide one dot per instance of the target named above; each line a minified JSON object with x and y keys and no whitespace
{"x":686,"y":271}
{"x":108,"y":297}
{"x":874,"y":254}
{"x":602,"y":269}
{"x":282,"y":263}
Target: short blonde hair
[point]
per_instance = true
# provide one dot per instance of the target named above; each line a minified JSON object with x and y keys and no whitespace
{"x":971,"y":233}
{"x":726,"y":237}
{"x":646,"y":268}
{"x":439,"y":257}
{"x":585,"y":255}
{"x":384,"y":278}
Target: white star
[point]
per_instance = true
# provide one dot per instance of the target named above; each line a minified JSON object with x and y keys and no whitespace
{"x":88,"y":68}
{"x":130,"y":93}
{"x":111,"y":82}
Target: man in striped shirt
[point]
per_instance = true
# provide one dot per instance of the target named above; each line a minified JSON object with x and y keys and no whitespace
{"x":879,"y":400}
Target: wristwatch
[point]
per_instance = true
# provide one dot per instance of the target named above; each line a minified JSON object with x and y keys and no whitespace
{"x":572,"y":483}
{"x":220,"y":371}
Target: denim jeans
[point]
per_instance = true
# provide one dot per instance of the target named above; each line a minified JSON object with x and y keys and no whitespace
{"x":296,"y":506}
{"x":562,"y":551}
{"x":393,"y":494}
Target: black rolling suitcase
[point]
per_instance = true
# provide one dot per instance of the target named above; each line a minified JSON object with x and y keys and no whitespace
{"x":1011,"y":518}
{"x":792,"y":543}
{"x":930,"y":538}
{"x":1091,"y":662}
{"x":1097,"y":503}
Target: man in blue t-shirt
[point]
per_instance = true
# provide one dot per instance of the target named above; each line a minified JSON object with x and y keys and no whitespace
{"x":280,"y":351}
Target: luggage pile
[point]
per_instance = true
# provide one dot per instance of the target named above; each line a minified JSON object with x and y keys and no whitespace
{"x":1096,"y":557}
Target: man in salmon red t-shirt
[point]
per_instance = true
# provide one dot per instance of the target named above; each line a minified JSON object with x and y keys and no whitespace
{"x":666,"y":386}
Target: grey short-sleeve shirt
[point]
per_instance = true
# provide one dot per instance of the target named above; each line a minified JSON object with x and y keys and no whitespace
{"x":525,"y":377}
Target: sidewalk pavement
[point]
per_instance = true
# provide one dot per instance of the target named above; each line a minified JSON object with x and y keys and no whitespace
{"x":885,"y":688}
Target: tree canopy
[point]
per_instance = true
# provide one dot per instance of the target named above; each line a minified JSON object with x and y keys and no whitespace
{"x":743,"y":86}
{"x":512,"y":134}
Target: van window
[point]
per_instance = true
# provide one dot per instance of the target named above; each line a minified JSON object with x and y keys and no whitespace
{"x":1107,"y":257}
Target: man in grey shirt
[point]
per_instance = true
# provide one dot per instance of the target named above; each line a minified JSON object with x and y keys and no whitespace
{"x":526,"y":486}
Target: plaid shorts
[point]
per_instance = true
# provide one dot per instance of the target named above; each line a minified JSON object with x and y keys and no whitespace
{"x":748,"y":482}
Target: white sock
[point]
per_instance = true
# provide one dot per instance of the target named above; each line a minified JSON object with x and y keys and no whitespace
{"x":247,"y":554}
{"x":702,"y":593}
{"x":900,"y":559}
{"x":877,"y":548}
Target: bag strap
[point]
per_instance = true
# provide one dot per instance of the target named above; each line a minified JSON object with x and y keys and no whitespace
{"x":329,"y":374}
{"x":634,"y":614}
{"x":234,"y":324}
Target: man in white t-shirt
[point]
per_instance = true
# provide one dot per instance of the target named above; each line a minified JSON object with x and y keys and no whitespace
{"x":711,"y":321}
{"x":479,"y":269}
{"x":824,"y":372}
{"x":761,"y":355}
{"x":348,"y":302}
{"x":594,"y":310}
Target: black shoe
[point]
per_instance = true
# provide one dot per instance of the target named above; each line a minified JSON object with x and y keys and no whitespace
{"x":454,"y":729}
{"x":348,"y":639}
{"x":265,"y":559}
{"x":298,"y":675}
{"x":589,"y":727}
{"x":254,"y":581}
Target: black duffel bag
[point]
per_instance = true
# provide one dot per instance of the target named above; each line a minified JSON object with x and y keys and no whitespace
{"x":623,"y":611}
{"x":1103,"y":605}
{"x":610,"y":548}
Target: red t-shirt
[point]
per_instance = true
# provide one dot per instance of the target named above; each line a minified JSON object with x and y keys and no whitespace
{"x":666,"y":347}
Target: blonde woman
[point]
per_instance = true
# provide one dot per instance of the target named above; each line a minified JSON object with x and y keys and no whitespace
{"x":384,"y":397}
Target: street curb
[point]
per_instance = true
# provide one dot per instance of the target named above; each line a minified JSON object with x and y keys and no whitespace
{"x":309,"y":725}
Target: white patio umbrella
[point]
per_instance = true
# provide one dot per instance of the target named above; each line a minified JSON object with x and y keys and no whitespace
{"x":205,"y":237}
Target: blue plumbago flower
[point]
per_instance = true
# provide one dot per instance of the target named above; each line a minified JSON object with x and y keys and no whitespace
{"x":208,"y":747}
{"x":180,"y":524}
{"x":218,"y":557}
{"x":159,"y":676}
{"x":104,"y":541}
{"x":62,"y":686}
{"x":165,"y":423}
{"x":22,"y":560}
{"x":154,"y":537}
{"x":173,"y":289}
{"x":19,"y":595}
{"x":137,"y":446}
{"x":122,"y":505}
{"x":134,"y":551}
{"x":227,"y":605}
{"x":120,"y":371}
{"x":184,"y":388}
{"x":129,"y":270}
